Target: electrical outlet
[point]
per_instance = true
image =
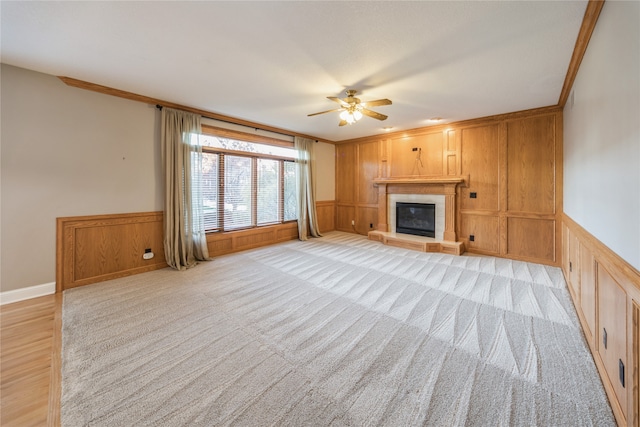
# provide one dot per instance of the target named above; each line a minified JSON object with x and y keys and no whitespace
{"x":353,"y":222}
{"x":371,"y":225}
{"x":472,"y":238}
{"x":414,"y":149}
{"x":473,"y":195}
{"x":147,"y":255}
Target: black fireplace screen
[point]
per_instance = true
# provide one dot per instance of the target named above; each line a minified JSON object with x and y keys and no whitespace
{"x":416,"y":218}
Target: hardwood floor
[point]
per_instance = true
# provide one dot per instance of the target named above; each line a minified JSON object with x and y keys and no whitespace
{"x":30,"y":345}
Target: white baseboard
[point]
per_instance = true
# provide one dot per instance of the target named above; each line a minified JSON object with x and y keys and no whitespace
{"x":27,"y":293}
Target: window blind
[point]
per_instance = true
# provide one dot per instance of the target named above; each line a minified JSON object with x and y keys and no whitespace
{"x":290,"y":194}
{"x":267,"y":189}
{"x":210,"y":185}
{"x":237,"y":187}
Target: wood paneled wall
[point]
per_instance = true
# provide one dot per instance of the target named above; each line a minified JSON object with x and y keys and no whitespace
{"x":606,"y":293}
{"x":356,"y":197}
{"x":514,"y":165}
{"x":92,"y":249}
{"x":235,"y":241}
{"x":326,"y":211}
{"x":95,"y":248}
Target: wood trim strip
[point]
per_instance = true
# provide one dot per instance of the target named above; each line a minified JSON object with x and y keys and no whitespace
{"x":559,"y":183}
{"x":478,"y":212}
{"x":421,"y":180}
{"x":69,"y":81}
{"x":529,"y":215}
{"x":635,"y":352}
{"x":594,"y":7}
{"x":55,"y":374}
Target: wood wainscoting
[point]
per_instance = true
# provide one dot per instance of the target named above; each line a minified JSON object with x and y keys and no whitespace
{"x":606,"y":293}
{"x":235,"y":241}
{"x":326,"y":211}
{"x":95,"y":248}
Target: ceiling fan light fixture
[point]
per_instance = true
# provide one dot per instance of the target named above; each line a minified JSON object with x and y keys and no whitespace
{"x":350,"y":119}
{"x":351,"y":109}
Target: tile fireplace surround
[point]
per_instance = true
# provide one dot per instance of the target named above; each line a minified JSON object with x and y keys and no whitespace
{"x":438,"y":190}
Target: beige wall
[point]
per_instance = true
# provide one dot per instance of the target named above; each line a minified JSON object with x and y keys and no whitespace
{"x":602,"y":134}
{"x":325,"y":171}
{"x":67,"y":152}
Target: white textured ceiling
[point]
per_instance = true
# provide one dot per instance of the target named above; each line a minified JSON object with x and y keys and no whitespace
{"x":275,"y":62}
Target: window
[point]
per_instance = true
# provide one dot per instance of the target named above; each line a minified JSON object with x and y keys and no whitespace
{"x":290,"y":194}
{"x":269,"y":201}
{"x":210,"y":172}
{"x":237,"y":192}
{"x":246,"y":184}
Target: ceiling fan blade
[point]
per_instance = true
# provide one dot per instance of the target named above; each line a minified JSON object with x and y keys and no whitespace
{"x":342,"y":123}
{"x":377,"y":102}
{"x":323,"y":112}
{"x":373,"y":114}
{"x":338,"y":100}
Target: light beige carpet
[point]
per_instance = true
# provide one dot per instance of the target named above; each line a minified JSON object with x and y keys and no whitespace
{"x":332,"y":331}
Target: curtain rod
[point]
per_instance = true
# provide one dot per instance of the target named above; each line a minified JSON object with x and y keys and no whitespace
{"x":160,"y":107}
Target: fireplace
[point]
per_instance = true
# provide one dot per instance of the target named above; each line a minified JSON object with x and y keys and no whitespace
{"x":416,"y":218}
{"x":432,"y":199}
{"x":439,"y":191}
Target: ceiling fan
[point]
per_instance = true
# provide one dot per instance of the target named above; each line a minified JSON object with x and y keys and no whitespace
{"x":352,"y":109}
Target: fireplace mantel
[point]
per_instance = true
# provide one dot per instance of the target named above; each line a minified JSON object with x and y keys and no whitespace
{"x":446,"y":185}
{"x":421,"y":180}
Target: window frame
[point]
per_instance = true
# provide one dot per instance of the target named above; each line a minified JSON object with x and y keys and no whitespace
{"x":222,"y":153}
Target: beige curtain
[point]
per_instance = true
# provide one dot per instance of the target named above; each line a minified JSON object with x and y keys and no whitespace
{"x":307,"y":217}
{"x":185,"y":242}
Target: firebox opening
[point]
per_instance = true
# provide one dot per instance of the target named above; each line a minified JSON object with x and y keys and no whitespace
{"x":416,"y":218}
